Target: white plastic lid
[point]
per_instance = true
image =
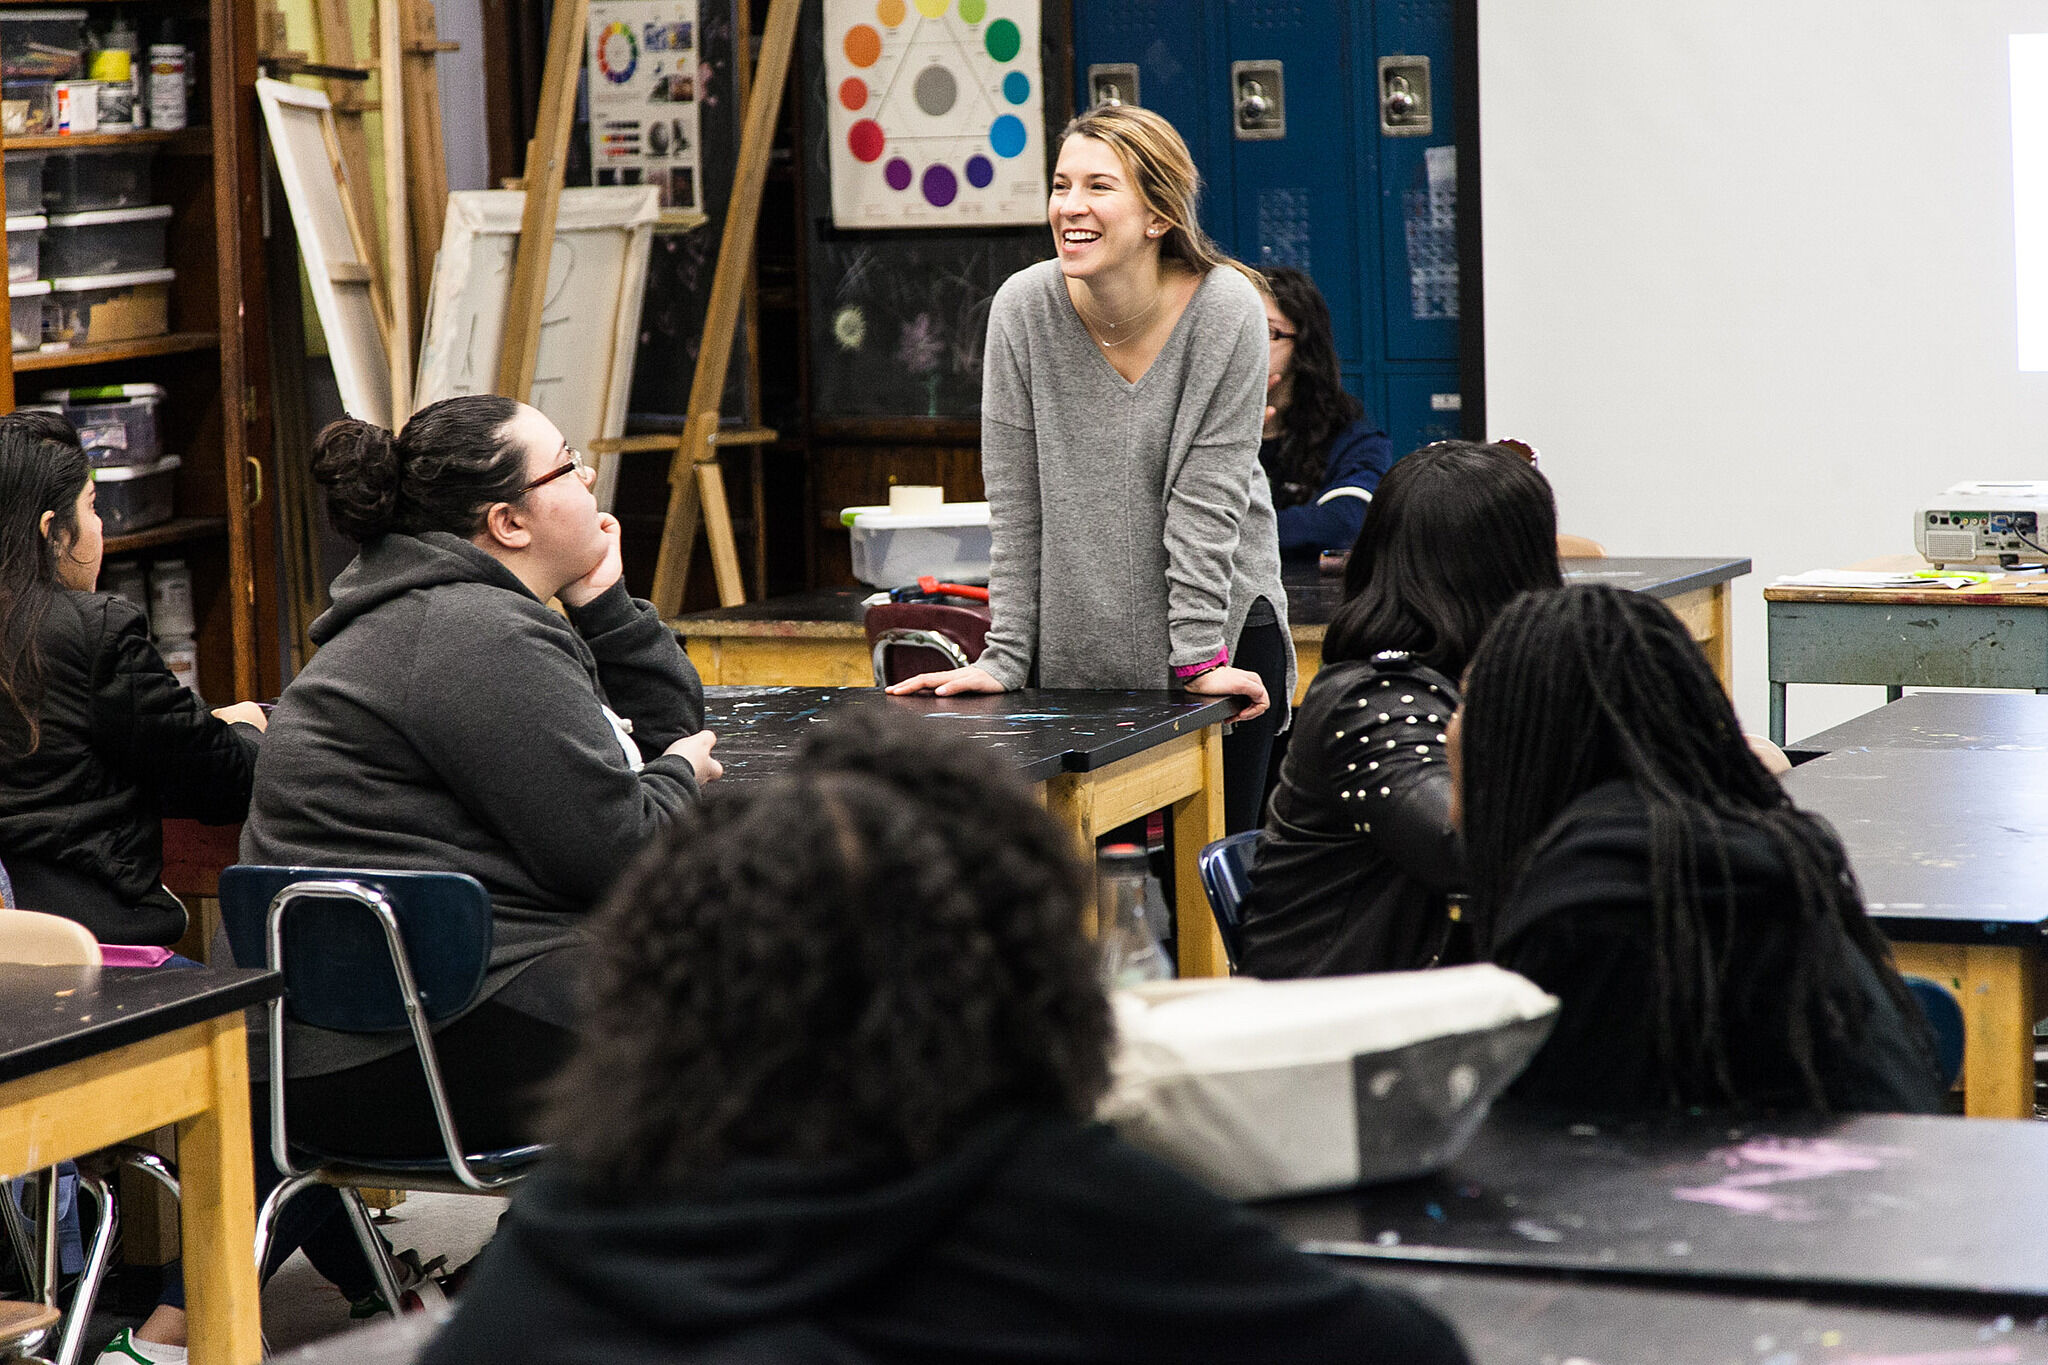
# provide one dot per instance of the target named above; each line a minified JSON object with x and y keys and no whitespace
{"x":23,"y":16}
{"x":103,"y":393}
{"x":149,"y":213}
{"x":947,"y":514}
{"x":78,"y":284}
{"x":121,"y":473}
{"x":28,"y":222}
{"x":27,"y":289}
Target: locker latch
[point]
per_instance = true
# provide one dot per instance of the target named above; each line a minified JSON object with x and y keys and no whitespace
{"x":1112,"y":83}
{"x":1259,"y":104}
{"x":1405,"y":107}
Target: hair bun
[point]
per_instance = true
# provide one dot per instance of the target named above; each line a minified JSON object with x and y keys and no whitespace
{"x":357,"y":463}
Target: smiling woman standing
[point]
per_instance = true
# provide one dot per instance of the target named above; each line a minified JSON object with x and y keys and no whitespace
{"x":1122,"y":396}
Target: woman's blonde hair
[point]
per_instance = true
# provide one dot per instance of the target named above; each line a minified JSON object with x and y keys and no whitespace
{"x":1164,"y":176}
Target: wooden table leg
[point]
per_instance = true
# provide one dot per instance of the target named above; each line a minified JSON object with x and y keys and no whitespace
{"x":1995,"y":986}
{"x":217,"y":1193}
{"x":1194,"y":822}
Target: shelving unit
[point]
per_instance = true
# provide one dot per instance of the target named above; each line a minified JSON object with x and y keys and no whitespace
{"x":214,"y":365}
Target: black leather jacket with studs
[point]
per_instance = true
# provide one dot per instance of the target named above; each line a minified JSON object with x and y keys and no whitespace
{"x":1358,"y":858}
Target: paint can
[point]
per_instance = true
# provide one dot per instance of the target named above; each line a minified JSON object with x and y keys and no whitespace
{"x":167,"y":85}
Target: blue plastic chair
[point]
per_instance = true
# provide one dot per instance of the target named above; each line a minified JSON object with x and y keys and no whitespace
{"x":1226,"y":867}
{"x":1945,"y":1018}
{"x":367,"y":952}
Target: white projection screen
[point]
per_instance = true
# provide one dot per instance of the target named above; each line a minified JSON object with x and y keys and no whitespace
{"x":1752,"y":281}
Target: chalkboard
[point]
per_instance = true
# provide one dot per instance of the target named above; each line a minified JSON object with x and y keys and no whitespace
{"x":898,"y":319}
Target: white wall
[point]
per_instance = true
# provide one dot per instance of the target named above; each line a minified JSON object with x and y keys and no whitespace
{"x":1749,"y":276}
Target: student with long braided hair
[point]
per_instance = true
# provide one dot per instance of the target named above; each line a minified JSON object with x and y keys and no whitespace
{"x":1628,"y":852}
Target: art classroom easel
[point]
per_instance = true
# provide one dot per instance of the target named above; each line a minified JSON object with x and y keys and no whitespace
{"x":546,"y":160}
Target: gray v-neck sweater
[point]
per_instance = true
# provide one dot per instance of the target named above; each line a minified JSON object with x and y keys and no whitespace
{"x":1132,"y":526}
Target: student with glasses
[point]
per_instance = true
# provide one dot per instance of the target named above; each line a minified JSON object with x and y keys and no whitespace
{"x":1322,"y":454}
{"x":452,"y":721}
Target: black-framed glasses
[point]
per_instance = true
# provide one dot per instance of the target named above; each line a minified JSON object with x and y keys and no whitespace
{"x":1275,"y":334}
{"x":575,"y":465}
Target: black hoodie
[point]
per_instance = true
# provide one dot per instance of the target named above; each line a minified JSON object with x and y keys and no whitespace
{"x":451,"y":721}
{"x":1037,"y":1239}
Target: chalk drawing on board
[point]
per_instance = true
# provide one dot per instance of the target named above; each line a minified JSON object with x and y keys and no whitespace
{"x":308,"y":154}
{"x":936,"y":112}
{"x":589,"y":328}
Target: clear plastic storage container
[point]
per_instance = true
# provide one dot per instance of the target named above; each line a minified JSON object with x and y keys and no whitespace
{"x":117,"y":423}
{"x":97,"y":178}
{"x":25,"y":183}
{"x":134,"y":497}
{"x":24,"y":247}
{"x":92,"y":308}
{"x":42,"y":44}
{"x":895,"y":549}
{"x":27,"y":107}
{"x":106,"y":241}
{"x":25,"y":302}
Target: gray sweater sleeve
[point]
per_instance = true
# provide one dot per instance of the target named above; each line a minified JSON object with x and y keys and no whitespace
{"x":1208,"y":489}
{"x":1009,"y":471}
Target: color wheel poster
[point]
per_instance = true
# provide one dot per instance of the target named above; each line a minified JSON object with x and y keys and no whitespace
{"x":643,"y":96}
{"x":936,"y":112}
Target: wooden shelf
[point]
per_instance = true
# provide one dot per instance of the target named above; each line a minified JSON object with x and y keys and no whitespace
{"x":174,"y":532}
{"x":194,"y":141}
{"x":106,"y":351}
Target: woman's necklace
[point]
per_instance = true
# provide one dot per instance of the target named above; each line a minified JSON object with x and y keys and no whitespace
{"x":1093,"y":325}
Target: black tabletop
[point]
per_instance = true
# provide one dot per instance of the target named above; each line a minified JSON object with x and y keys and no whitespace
{"x":1313,"y":597}
{"x":1866,"y":1205}
{"x":1042,"y":732}
{"x":2012,"y":722}
{"x":53,"y":1015}
{"x":1947,"y":843}
{"x":1520,"y":1320}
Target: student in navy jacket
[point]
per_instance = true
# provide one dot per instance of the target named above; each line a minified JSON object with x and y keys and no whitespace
{"x":1322,"y":455}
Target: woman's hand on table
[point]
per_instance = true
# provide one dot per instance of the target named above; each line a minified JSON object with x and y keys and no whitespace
{"x":1232,"y":682}
{"x":603,"y":574}
{"x":244,"y":713}
{"x":697,"y":748}
{"x":950,"y":683}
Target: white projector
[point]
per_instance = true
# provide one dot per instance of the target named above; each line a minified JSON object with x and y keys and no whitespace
{"x":1987,"y":523}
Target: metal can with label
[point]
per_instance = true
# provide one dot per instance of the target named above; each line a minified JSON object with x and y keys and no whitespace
{"x":167,"y":85}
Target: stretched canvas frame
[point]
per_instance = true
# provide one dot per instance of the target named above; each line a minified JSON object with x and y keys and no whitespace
{"x":590,"y":323}
{"x":336,"y":249}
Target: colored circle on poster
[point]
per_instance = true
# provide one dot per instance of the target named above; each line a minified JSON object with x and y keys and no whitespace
{"x":1006,"y":135}
{"x":980,"y":171}
{"x":890,"y":12}
{"x":1003,"y":40}
{"x":865,"y":140}
{"x":935,"y":90}
{"x":863,"y":45}
{"x":897,"y":174}
{"x":618,"y":53}
{"x":853,"y":92}
{"x":973,"y":11}
{"x":931,"y":9}
{"x":940,"y":186}
{"x":1016,"y":87}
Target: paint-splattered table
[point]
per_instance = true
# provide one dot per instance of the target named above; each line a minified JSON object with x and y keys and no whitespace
{"x":2012,"y":722}
{"x":1102,"y":759}
{"x":89,"y":1058}
{"x":1870,"y":1207}
{"x":815,"y":639}
{"x":1948,"y":845}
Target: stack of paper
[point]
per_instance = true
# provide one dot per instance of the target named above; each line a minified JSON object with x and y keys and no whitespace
{"x":1871,"y":578}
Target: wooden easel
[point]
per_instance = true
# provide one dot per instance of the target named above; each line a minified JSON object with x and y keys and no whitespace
{"x":696,"y":483}
{"x":546,"y":159}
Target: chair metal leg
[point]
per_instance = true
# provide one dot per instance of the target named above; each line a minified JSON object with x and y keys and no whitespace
{"x":378,"y":1254}
{"x":71,"y":1344}
{"x":273,"y":1205}
{"x":153,"y":1166}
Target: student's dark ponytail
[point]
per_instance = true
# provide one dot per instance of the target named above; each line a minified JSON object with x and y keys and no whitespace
{"x":42,"y":470}
{"x":449,"y":465}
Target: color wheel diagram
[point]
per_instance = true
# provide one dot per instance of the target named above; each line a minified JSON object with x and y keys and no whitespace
{"x":937,"y":114}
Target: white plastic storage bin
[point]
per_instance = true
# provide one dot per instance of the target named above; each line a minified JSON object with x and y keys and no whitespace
{"x":895,"y":549}
{"x":93,"y":308}
{"x":134,"y":497}
{"x":42,"y":44}
{"x":117,"y":423}
{"x":97,"y":178}
{"x":25,"y":182}
{"x":106,"y":241}
{"x":25,"y":305}
{"x":24,"y":247}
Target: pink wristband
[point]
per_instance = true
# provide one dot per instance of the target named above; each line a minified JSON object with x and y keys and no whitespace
{"x":1217,"y":660}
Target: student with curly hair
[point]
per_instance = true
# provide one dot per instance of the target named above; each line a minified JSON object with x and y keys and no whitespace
{"x":1358,"y":855}
{"x":1322,"y":455}
{"x":1629,"y":853}
{"x":831,"y":1103}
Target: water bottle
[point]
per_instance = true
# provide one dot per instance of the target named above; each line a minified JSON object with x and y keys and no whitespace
{"x":1131,"y":955}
